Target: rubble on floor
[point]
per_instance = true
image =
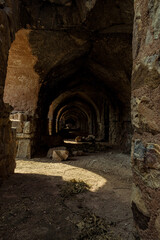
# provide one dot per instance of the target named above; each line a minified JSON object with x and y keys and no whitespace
{"x":73,"y":187}
{"x":94,"y":227}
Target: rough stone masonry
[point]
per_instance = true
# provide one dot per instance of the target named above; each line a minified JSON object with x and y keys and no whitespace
{"x":96,"y":40}
{"x":146,"y":119}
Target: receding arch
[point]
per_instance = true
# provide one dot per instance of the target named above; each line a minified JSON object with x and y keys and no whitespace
{"x":71,"y":94}
{"x":77,"y":102}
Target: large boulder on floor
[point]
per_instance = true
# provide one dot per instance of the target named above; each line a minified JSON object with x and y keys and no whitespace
{"x":58,"y":154}
{"x":50,"y":151}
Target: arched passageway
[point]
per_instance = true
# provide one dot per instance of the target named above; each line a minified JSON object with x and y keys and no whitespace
{"x":58,"y":46}
{"x":91,"y":61}
{"x":76,"y":114}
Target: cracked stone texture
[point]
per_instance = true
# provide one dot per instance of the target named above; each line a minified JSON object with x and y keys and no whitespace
{"x":8,"y":26}
{"x":145,"y":111}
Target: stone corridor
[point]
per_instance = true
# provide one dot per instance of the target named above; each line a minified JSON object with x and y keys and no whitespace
{"x":86,"y":72}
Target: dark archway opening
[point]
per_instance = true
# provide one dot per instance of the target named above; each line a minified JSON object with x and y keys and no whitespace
{"x":86,"y":99}
{"x":78,"y":108}
{"x":88,"y":56}
{"x":105,"y":55}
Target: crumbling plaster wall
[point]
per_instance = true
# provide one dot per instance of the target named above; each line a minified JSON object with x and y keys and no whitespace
{"x":22,"y":81}
{"x":146,"y":119}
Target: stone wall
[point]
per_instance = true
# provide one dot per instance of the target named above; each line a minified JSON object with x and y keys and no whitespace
{"x":7,"y":145}
{"x":146,"y":119}
{"x":9,"y":12}
{"x":44,"y":62}
{"x":120,"y":129}
{"x":21,"y":73}
{"x":145,"y":80}
{"x":87,"y":38}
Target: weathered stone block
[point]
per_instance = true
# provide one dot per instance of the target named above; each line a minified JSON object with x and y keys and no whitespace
{"x":148,"y":120}
{"x":138,"y":199}
{"x":24,"y":148}
{"x":18,"y":126}
{"x":152,"y":159}
{"x":20,"y":116}
{"x":60,"y":155}
{"x":24,"y":136}
{"x":134,"y":114}
{"x":139,"y":150}
{"x":50,"y":151}
{"x":27,"y":127}
{"x":152,"y":178}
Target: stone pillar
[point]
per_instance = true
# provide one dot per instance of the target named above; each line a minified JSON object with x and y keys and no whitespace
{"x":7,"y":144}
{"x":24,"y":134}
{"x":146,"y":119}
{"x":8,"y":25}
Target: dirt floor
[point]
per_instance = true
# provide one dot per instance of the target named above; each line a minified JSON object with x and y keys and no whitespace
{"x":87,"y":197}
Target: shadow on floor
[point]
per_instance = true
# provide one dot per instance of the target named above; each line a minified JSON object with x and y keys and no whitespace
{"x":33,"y":208}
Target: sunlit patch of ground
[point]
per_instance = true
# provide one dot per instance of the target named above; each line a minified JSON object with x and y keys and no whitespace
{"x":69,"y":200}
{"x":65,"y":171}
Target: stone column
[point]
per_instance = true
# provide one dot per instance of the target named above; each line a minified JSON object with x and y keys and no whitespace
{"x":7,"y":142}
{"x":24,"y":134}
{"x":146,"y":119}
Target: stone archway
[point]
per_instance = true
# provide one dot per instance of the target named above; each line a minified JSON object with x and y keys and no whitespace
{"x":145,"y":78}
{"x":79,"y":101}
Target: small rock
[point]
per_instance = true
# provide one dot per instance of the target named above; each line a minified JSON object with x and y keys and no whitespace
{"x":60,"y":155}
{"x":50,"y":151}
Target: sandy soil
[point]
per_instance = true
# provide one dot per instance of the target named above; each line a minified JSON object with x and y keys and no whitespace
{"x":33,"y":208}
